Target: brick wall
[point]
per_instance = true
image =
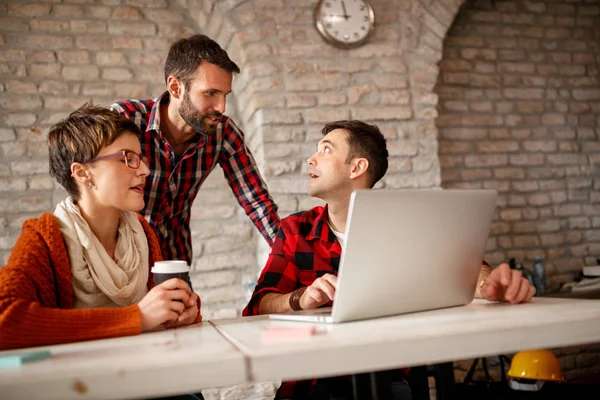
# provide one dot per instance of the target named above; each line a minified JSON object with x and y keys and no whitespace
{"x":519,"y":97}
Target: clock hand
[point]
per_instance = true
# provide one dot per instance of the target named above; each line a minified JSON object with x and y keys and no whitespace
{"x":346,"y":16}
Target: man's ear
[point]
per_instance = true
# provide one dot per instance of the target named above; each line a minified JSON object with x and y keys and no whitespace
{"x":175,"y":87}
{"x":359,"y":167}
{"x":80,"y":173}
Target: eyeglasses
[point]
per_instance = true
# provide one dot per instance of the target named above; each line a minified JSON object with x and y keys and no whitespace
{"x":132,"y":159}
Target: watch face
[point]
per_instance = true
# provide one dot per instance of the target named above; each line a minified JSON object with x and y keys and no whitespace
{"x":344,"y":23}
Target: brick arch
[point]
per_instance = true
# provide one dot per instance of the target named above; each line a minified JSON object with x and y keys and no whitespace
{"x":238,"y":27}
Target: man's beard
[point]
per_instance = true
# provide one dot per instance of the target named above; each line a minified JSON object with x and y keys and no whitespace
{"x":197,"y":120}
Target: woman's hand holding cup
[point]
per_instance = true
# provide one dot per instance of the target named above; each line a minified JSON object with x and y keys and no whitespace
{"x":165,"y":303}
{"x":174,"y":303}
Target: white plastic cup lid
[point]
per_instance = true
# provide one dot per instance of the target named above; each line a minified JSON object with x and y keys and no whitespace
{"x":170,"y":267}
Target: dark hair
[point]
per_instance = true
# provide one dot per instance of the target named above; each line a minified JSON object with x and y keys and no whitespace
{"x":185,"y":55}
{"x":366,"y":141}
{"x":80,"y":137}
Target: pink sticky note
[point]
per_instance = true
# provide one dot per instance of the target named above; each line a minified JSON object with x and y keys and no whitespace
{"x":283,"y":333}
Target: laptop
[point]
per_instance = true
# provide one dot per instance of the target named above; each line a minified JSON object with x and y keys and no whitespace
{"x":407,"y":251}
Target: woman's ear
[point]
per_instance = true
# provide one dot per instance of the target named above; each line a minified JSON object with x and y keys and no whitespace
{"x":80,"y":173}
{"x":359,"y":168}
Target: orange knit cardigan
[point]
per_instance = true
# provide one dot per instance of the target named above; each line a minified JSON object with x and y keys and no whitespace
{"x":36,"y":293}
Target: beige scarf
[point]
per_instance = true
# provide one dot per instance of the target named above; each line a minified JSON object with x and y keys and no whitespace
{"x":98,"y":280}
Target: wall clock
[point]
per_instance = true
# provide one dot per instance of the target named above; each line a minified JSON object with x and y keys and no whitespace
{"x":344,"y":23}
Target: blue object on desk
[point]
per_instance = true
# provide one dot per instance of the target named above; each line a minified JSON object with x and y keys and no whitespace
{"x":18,"y":359}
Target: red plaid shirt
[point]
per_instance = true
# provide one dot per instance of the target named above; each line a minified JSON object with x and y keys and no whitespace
{"x":305,"y":249}
{"x":173,"y":184}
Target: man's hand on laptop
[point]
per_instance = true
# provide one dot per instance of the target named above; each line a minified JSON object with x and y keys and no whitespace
{"x":320,"y":292}
{"x":505,"y":284}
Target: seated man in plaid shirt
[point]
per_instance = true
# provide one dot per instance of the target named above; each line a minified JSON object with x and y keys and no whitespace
{"x":301,"y":272}
{"x":185,"y":135}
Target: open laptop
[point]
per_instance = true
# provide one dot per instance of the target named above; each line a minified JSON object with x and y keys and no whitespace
{"x":407,"y":251}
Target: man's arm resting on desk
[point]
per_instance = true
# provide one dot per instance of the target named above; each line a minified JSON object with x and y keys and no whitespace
{"x":320,"y":292}
{"x":273,"y":303}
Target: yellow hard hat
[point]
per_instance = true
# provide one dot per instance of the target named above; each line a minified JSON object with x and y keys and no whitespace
{"x":541,"y":365}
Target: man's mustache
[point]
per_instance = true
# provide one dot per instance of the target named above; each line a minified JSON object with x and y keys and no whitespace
{"x":213,"y":114}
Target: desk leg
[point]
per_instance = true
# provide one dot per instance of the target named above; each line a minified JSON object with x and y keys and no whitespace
{"x":419,"y":383}
{"x":372,"y":386}
{"x":361,"y":386}
{"x":444,"y":381}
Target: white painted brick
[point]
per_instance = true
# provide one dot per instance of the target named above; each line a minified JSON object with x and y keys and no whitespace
{"x":111,"y":58}
{"x":223,"y":245}
{"x":13,"y":149}
{"x":117,"y":74}
{"x":44,"y":70}
{"x":127,"y":13}
{"x":213,"y":279}
{"x":30,"y":204}
{"x":286,"y":203}
{"x":98,"y":89}
{"x":220,"y":261}
{"x":381,"y":113}
{"x":277,"y":168}
{"x":294,"y":100}
{"x":4,"y":169}
{"x":214,"y":212}
{"x":7,"y":242}
{"x":62,"y":103}
{"x":323,"y":115}
{"x":81,"y":73}
{"x":274,"y":116}
{"x":241,"y":230}
{"x":317,"y":82}
{"x":131,"y":28}
{"x":275,"y":134}
{"x":289,"y":185}
{"x":222,"y":294}
{"x":430,"y":179}
{"x":18,"y":86}
{"x":332,"y":98}
{"x":12,"y":185}
{"x":41,"y":182}
{"x":7,"y":134}
{"x":363,"y":94}
{"x":19,"y":119}
{"x":29,"y":167}
{"x":349,"y":65}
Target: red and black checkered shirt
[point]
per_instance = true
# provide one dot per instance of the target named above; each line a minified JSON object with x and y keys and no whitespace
{"x":173,"y":183}
{"x":305,"y":249}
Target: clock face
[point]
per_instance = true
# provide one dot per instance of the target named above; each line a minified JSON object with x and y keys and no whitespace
{"x":344,"y":23}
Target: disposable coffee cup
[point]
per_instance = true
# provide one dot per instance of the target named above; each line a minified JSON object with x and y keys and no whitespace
{"x":165,"y":270}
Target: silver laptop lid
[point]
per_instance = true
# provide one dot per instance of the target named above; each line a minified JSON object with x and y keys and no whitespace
{"x":411,"y":250}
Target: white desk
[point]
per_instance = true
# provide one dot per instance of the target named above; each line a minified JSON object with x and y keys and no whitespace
{"x":478,"y":329}
{"x":189,"y":359}
{"x":149,"y":365}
